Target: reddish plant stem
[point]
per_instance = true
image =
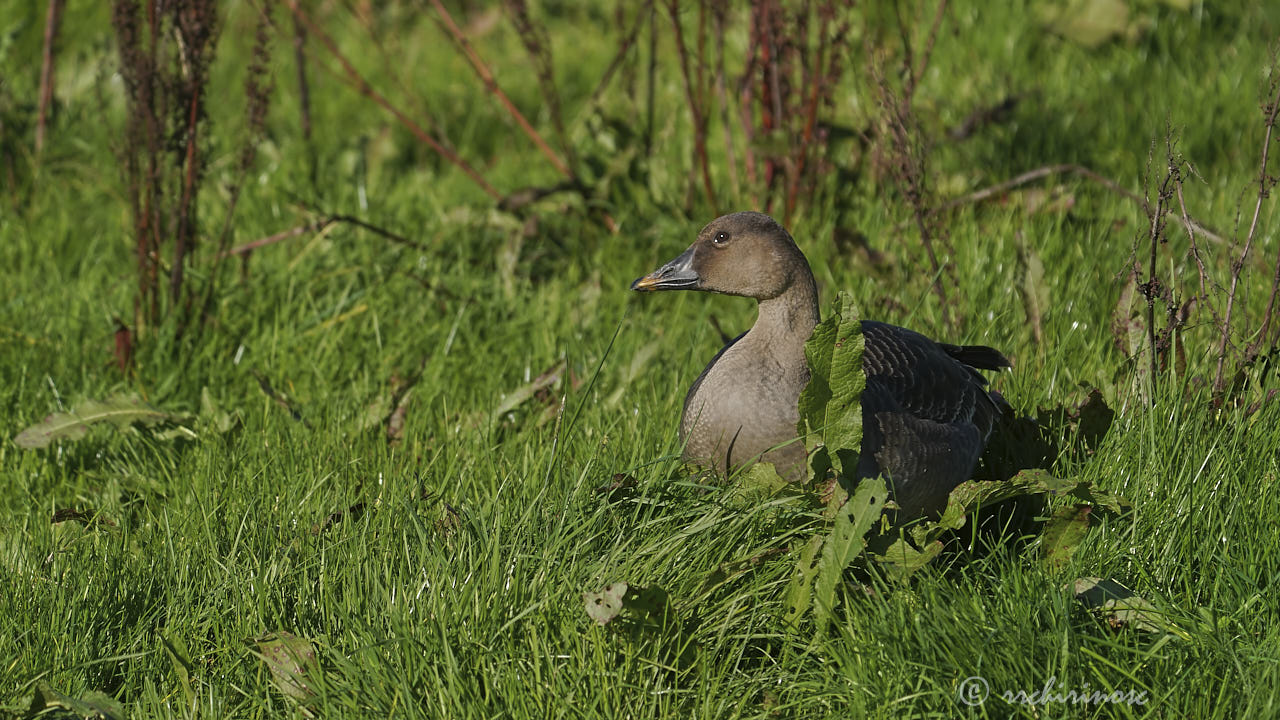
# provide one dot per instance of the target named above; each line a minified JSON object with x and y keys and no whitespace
{"x":151,"y":197}
{"x":722,"y":97}
{"x":745,"y":84}
{"x":813,"y":86}
{"x":492,"y":85}
{"x":695,"y":107}
{"x":363,"y":87}
{"x":1194,"y":248}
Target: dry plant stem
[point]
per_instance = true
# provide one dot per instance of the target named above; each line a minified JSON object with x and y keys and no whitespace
{"x":304,"y":89}
{"x":1041,"y":172}
{"x":363,"y":87}
{"x":652,"y":79}
{"x":1265,"y":333}
{"x":1152,"y":291}
{"x":745,"y":85}
{"x":52,"y":20}
{"x":722,"y":97}
{"x":317,"y":226}
{"x":813,"y":82}
{"x":536,"y":42}
{"x":1195,"y":249}
{"x":773,"y":81}
{"x":188,"y":192}
{"x":492,"y":85}
{"x":695,"y":108}
{"x":923,"y":65}
{"x":624,"y":48}
{"x":1264,"y":186}
{"x":908,"y":170}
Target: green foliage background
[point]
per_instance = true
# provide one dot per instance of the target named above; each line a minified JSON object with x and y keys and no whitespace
{"x":451,"y":584}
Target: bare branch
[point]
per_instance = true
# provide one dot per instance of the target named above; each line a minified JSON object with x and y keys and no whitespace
{"x":1061,"y":169}
{"x":492,"y":85}
{"x":695,"y":106}
{"x":1264,"y":188}
{"x":363,"y":87}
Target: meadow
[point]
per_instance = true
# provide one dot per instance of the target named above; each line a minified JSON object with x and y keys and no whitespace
{"x":395,"y":459}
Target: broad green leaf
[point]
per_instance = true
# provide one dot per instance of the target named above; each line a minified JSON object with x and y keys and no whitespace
{"x":830,"y":404}
{"x":213,"y":415}
{"x":800,"y":589}
{"x":846,"y":542}
{"x":901,"y":558}
{"x":176,"y":649}
{"x":650,"y":605}
{"x":1063,"y":533}
{"x":755,"y":485}
{"x":119,"y":410}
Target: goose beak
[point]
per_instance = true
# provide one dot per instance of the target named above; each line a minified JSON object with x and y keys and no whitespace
{"x":675,"y":275}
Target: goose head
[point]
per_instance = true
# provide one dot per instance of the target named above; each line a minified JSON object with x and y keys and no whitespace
{"x":745,"y":253}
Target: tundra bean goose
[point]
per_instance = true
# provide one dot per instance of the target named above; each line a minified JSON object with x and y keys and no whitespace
{"x":926,"y":411}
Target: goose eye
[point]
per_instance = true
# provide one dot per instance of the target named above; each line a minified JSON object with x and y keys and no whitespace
{"x":720,"y":238}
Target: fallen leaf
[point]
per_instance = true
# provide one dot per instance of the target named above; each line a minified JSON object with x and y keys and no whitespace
{"x":606,"y":605}
{"x":121,"y":411}
{"x":291,"y":659}
{"x":92,"y":705}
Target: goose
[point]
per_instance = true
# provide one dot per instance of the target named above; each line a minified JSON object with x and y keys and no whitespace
{"x":926,"y":410}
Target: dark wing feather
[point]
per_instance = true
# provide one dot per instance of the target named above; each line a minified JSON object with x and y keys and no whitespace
{"x":920,"y":376}
{"x":926,"y":412}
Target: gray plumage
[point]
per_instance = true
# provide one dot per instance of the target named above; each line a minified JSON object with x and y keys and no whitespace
{"x":926,"y":411}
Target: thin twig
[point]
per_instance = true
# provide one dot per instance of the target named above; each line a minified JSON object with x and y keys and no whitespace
{"x":318,"y":226}
{"x":652,"y":79}
{"x":492,"y":85}
{"x":300,"y":62}
{"x":813,"y":82}
{"x":719,"y":10}
{"x":534,"y":38}
{"x":1029,"y":176}
{"x":363,"y":87}
{"x":52,"y":20}
{"x":918,"y":72}
{"x":624,"y":48}
{"x":1264,"y":187}
{"x":1190,"y":227}
{"x":745,"y":84}
{"x":695,"y":106}
{"x":188,"y":196}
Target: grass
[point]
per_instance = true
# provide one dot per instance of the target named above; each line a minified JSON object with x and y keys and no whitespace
{"x":456,"y":589}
